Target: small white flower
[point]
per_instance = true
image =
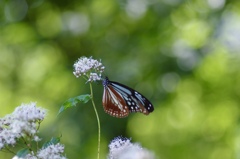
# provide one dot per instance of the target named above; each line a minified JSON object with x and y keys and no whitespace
{"x":94,"y":77}
{"x":52,"y":151}
{"x":122,"y":148}
{"x":88,"y":67}
{"x":7,"y":137}
{"x":29,"y":112}
{"x":31,"y":155}
{"x":28,"y":156}
{"x":37,"y":139}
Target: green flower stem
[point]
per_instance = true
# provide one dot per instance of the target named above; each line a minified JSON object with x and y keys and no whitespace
{"x":98,"y":121}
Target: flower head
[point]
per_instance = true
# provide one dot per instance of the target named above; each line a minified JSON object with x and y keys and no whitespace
{"x":52,"y":151}
{"x":22,"y":122}
{"x":88,"y":67}
{"x":122,"y":148}
{"x":29,"y":112}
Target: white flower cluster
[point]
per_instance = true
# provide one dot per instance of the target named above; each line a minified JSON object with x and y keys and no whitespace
{"x":122,"y":148}
{"x":22,"y":122}
{"x":53,"y":151}
{"x":88,"y":67}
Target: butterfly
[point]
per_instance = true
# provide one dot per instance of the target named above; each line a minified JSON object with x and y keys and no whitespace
{"x":120,"y":100}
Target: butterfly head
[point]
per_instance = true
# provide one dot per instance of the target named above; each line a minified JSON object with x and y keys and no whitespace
{"x":105,"y":82}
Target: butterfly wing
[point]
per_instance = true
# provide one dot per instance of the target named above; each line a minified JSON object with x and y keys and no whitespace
{"x":120,"y":99}
{"x":135,"y":101}
{"x":113,"y":103}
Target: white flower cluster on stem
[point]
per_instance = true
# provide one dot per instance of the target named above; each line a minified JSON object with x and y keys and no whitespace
{"x":24,"y":124}
{"x":122,"y":148}
{"x":88,"y":67}
{"x":24,"y":121}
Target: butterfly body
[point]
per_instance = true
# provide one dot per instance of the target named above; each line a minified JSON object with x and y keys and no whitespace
{"x":120,"y":100}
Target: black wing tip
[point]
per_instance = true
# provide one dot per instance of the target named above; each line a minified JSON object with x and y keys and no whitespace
{"x":150,"y":108}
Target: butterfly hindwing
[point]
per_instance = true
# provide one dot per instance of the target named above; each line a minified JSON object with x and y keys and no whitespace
{"x":113,"y":104}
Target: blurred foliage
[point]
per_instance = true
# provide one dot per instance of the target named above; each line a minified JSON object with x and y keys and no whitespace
{"x":182,"y":55}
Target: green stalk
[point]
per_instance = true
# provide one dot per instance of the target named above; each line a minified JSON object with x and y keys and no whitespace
{"x":98,"y":121}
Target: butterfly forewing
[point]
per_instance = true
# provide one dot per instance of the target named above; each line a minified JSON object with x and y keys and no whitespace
{"x":119,"y":100}
{"x":135,"y":100}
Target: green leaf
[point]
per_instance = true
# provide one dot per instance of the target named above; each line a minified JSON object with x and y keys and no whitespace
{"x":74,"y":101}
{"x":53,"y":141}
{"x":22,"y":153}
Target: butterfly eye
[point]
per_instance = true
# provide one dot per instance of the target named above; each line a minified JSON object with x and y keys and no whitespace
{"x":120,"y":100}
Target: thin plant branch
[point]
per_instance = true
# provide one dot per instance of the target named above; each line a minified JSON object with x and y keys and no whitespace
{"x":98,"y":121}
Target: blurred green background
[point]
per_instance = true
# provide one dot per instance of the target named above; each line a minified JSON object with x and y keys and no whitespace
{"x":182,"y":55}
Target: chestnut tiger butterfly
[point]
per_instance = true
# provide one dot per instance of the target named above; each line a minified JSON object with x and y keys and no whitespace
{"x":120,"y":100}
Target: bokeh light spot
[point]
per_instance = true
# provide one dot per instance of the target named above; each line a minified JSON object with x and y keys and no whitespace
{"x":75,"y":23}
{"x":136,"y":8}
{"x":15,"y":10}
{"x":169,"y":81}
{"x":49,"y":23}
